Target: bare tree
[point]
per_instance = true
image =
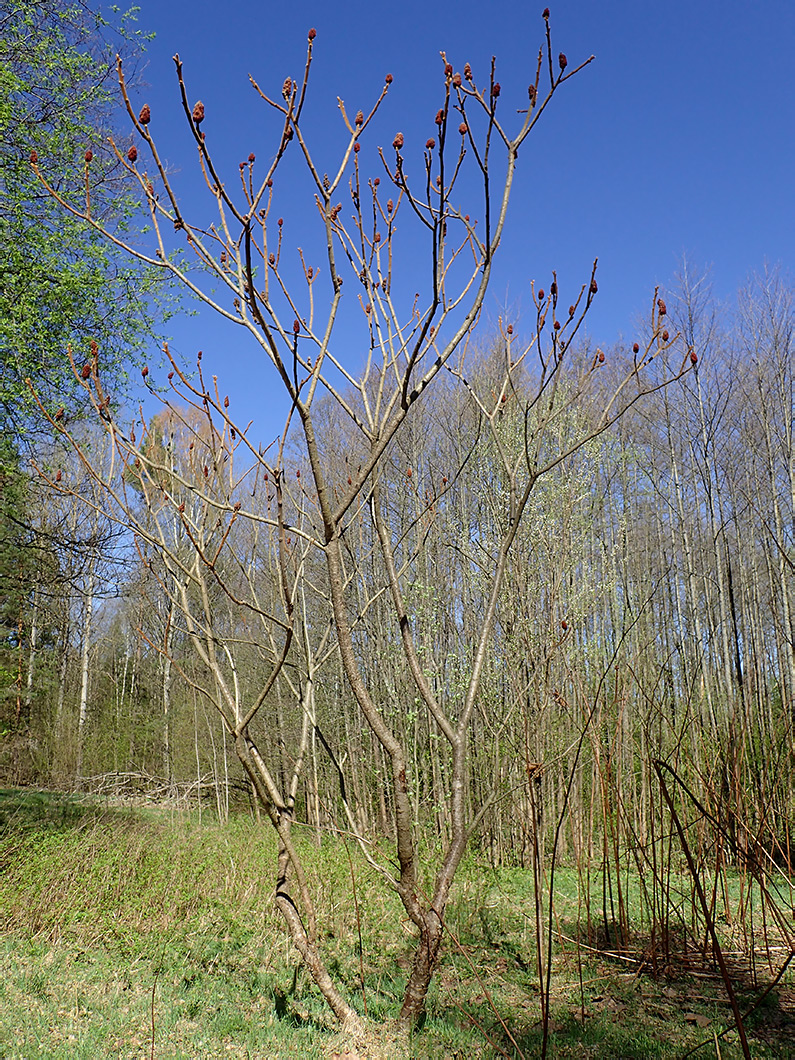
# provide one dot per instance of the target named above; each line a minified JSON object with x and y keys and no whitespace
{"x":278,"y":567}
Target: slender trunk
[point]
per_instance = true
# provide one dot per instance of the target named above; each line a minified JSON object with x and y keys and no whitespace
{"x":84,"y":673}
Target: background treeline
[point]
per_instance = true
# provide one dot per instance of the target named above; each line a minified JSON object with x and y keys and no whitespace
{"x":647,"y":614}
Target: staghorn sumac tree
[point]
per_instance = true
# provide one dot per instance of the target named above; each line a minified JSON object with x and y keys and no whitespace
{"x":290,"y":553}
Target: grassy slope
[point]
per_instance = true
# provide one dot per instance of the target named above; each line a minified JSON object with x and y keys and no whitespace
{"x":108,"y":916}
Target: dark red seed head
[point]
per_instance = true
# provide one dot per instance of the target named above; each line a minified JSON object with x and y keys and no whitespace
{"x":287,"y":87}
{"x":448,"y":69}
{"x":462,"y":128}
{"x":541,"y":295}
{"x":571,"y":310}
{"x":296,"y":326}
{"x":457,"y":80}
{"x":467,"y":71}
{"x":132,"y":154}
{"x":545,"y":13}
{"x":601,"y":357}
{"x":430,"y":143}
{"x":397,"y":143}
{"x":359,"y":118}
{"x":665,"y":336}
{"x":271,"y":259}
{"x":89,"y":155}
{"x":198,"y":113}
{"x":495,"y":89}
{"x":439,"y":117}
{"x":312,"y":33}
{"x":532,"y":93}
{"x":510,"y":329}
{"x":389,"y":79}
{"x":563,"y":62}
{"x":86,"y":371}
{"x":693,"y":357}
{"x":146,"y":115}
{"x":594,"y":287}
{"x":252,"y":157}
{"x":357,"y":147}
{"x":145,"y":371}
{"x":635,"y":347}
{"x":661,"y":307}
{"x":34,"y":158}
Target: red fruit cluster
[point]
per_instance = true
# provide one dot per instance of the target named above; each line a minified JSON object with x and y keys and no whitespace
{"x":132,"y":154}
{"x":563,"y":62}
{"x":397,"y":143}
{"x":198,"y":113}
{"x":146,"y":115}
{"x":89,"y":155}
{"x":312,"y":33}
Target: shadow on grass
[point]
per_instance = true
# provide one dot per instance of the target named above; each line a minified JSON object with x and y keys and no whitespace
{"x":27,"y":809}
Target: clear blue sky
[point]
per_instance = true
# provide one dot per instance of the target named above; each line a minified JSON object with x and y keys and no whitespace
{"x":678,"y":139}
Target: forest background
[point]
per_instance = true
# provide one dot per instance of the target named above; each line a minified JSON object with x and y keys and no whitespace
{"x":645,"y":613}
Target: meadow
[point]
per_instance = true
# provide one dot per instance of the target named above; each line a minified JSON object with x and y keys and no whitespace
{"x":141,"y":931}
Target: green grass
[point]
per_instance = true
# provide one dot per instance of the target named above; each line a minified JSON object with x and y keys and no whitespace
{"x":107,"y":915}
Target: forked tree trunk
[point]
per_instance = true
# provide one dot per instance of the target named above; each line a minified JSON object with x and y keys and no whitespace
{"x":426,"y":959}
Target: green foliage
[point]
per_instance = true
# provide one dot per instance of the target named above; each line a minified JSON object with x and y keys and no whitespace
{"x":61,"y":285}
